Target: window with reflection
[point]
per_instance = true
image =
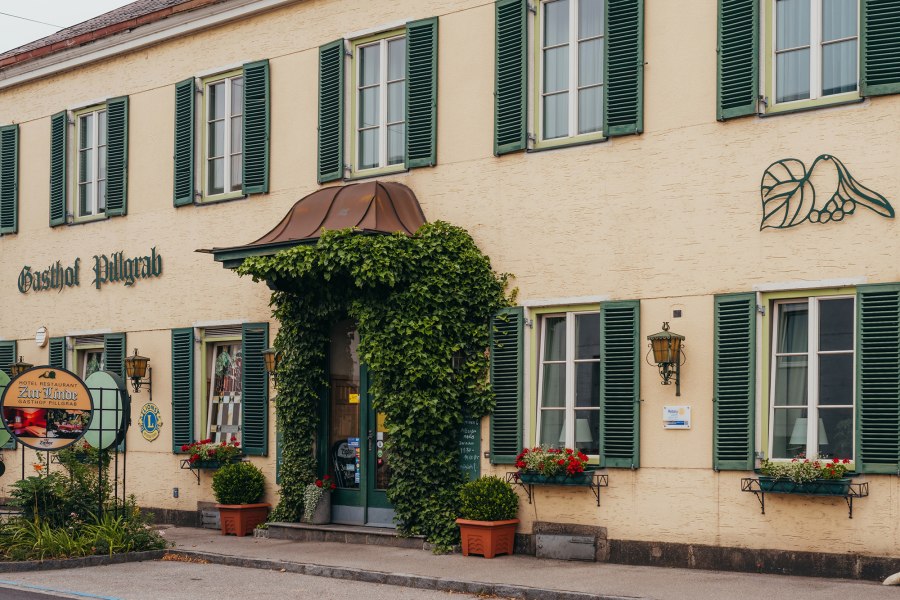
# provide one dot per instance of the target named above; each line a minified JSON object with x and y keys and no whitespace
{"x":813,"y":378}
{"x":569,"y":381}
{"x":381,"y":103}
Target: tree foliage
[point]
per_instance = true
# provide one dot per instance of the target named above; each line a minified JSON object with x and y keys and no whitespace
{"x":417,"y":301}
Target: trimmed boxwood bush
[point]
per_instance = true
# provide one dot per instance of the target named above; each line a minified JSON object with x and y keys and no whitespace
{"x":239,"y":483}
{"x":488,"y":499}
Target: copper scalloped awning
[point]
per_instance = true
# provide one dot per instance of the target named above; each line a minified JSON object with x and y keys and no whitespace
{"x":371,"y":207}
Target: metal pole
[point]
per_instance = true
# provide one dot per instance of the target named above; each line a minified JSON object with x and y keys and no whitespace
{"x":23,"y":460}
{"x":116,"y":450}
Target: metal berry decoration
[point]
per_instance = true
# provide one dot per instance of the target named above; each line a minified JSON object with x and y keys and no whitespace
{"x":789,"y":197}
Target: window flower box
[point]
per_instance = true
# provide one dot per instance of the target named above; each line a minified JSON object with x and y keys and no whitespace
{"x":822,"y":487}
{"x":534,"y":477}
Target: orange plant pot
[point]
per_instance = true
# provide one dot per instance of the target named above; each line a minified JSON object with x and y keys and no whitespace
{"x":241,"y":519}
{"x":487,"y":538}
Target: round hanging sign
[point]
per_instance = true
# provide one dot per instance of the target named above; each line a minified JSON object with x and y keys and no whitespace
{"x":112,"y":409}
{"x":46,"y":408}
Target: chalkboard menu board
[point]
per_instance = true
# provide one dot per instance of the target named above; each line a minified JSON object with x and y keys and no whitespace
{"x":470,"y":448}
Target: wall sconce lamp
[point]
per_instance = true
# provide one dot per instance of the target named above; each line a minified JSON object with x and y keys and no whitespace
{"x":19,"y":366}
{"x":273,"y":360}
{"x":668,"y":355}
{"x":136,"y":370}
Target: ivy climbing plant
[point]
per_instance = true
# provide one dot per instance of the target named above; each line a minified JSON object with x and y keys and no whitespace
{"x":417,"y":301}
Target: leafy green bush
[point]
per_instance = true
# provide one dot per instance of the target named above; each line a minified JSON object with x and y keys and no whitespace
{"x":238,"y":483}
{"x":43,"y":496}
{"x":488,"y":499}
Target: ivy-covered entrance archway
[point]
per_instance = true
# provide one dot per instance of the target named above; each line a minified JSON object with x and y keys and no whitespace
{"x":417,"y":301}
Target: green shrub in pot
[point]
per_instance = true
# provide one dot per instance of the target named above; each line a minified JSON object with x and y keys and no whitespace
{"x":238,"y":483}
{"x":488,"y":498}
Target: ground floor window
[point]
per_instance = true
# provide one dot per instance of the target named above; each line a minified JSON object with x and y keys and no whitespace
{"x":569,"y":381}
{"x":812,"y":382}
{"x":223,"y":408}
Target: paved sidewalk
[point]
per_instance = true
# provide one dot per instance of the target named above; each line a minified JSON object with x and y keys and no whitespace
{"x":600,"y":579}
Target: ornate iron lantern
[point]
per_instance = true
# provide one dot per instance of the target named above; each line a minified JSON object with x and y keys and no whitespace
{"x":19,"y":366}
{"x":668,"y":355}
{"x":272,"y":357}
{"x":136,"y":370}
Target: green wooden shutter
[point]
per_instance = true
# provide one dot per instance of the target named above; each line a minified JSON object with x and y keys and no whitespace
{"x":511,"y":77}
{"x":58,"y":352}
{"x":255,"y":390}
{"x":738,"y":58}
{"x":114,"y":353}
{"x":734,"y":382}
{"x":421,"y":93}
{"x":185,"y":104}
{"x":9,"y":179}
{"x":256,"y":127}
{"x":623,"y":106}
{"x":7,"y":356}
{"x":506,"y":380}
{"x":620,"y":384}
{"x":59,"y":126}
{"x":117,"y":156}
{"x":182,"y":387}
{"x":331,"y":111}
{"x":878,"y":379}
{"x":879,"y":44}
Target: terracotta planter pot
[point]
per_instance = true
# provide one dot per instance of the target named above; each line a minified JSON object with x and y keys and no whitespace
{"x":487,"y":538}
{"x":242,"y":519}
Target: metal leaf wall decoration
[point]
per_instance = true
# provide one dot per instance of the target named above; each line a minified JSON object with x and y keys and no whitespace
{"x":789,"y":198}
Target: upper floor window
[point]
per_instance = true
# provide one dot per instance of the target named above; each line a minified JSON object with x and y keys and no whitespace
{"x":813,"y":370}
{"x":381,"y":100}
{"x":222,"y":142}
{"x":224,"y":135}
{"x":91,"y":128}
{"x":571,"y":66}
{"x":391,"y":83}
{"x":816,"y":48}
{"x":93,"y":140}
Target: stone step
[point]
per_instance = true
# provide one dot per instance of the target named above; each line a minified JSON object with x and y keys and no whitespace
{"x":345,"y":534}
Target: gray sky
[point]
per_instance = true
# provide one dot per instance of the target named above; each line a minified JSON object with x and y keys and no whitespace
{"x":58,"y":13}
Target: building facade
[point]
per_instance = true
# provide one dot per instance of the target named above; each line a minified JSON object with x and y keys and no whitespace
{"x":630,"y":163}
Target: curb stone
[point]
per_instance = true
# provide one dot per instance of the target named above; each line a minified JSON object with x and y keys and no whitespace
{"x":80,"y":562}
{"x":422,"y":582}
{"x":892,"y":580}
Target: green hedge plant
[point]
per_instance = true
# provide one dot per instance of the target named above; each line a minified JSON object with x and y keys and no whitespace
{"x":239,"y":483}
{"x":488,"y":498}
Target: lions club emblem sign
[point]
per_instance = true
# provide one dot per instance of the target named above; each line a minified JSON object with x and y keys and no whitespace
{"x":46,"y":408}
{"x":150,"y":422}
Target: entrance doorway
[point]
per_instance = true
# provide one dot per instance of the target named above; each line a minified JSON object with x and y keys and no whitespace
{"x":353,"y":437}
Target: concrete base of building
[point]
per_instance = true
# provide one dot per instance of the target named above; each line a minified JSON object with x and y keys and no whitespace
{"x":751,"y":560}
{"x":171,"y":516}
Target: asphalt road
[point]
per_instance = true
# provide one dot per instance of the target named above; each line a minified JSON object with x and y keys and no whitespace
{"x":158,"y":580}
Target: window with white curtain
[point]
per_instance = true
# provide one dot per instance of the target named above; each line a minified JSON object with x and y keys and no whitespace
{"x":92,"y":163}
{"x":571,"y":42}
{"x":224,"y":135}
{"x":813,"y":378}
{"x":569,"y":381}
{"x":816,"y":48}
{"x":381,"y":103}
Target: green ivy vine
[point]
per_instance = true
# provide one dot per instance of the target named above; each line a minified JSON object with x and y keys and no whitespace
{"x":417,"y":301}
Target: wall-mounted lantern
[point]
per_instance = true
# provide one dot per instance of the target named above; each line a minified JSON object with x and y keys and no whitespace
{"x":668,"y":355}
{"x":272,"y":357}
{"x":19,"y":366}
{"x":136,"y":370}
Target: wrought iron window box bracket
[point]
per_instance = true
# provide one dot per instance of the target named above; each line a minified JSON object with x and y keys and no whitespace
{"x":201,"y":465}
{"x":596,"y":482}
{"x":854,"y":490}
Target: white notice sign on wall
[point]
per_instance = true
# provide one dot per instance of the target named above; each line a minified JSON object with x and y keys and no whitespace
{"x":676,"y":417}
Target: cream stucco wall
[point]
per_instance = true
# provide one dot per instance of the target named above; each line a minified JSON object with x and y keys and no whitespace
{"x":571,"y":222}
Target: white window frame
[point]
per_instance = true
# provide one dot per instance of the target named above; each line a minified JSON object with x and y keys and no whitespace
{"x":812,"y":350}
{"x":213,"y":344}
{"x":570,"y":362}
{"x":574,"y":87}
{"x":816,"y":50}
{"x":229,"y":153}
{"x":383,"y":122}
{"x":94,"y":210}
